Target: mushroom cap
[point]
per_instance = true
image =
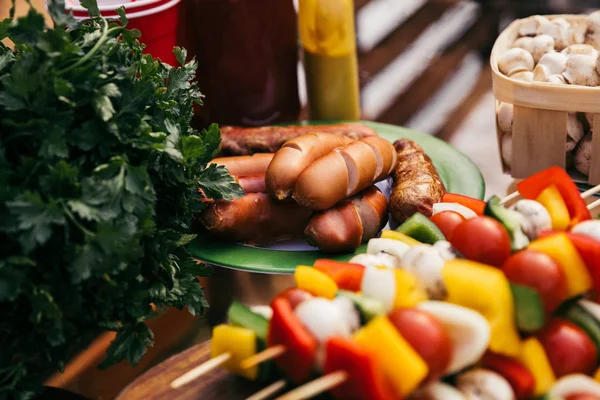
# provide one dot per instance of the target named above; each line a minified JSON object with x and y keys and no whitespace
{"x":583,"y":154}
{"x":506,"y":149}
{"x":525,"y":76}
{"x":554,"y":61}
{"x":581,"y":70}
{"x":515,"y":60}
{"x":505,"y":117}
{"x":537,"y":46}
{"x":574,"y":127}
{"x":529,"y":26}
{"x":556,"y":79}
{"x":560,"y":31}
{"x":584,"y":49}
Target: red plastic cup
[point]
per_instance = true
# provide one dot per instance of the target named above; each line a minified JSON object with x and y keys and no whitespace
{"x":157,"y":20}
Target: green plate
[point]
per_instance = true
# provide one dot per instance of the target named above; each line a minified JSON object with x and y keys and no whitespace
{"x":457,"y":171}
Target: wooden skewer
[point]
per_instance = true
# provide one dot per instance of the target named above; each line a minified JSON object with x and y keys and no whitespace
{"x":268,"y":391}
{"x":316,"y":387}
{"x":265,"y":355}
{"x":200,"y":370}
{"x":593,"y":205}
{"x":587,"y":193}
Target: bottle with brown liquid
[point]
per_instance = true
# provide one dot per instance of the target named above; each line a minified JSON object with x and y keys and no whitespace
{"x":247,"y":52}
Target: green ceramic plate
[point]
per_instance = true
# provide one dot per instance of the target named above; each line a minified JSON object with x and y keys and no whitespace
{"x":458,"y":173}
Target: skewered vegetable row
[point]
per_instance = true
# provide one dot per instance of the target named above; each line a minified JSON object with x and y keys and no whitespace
{"x":521,"y":321}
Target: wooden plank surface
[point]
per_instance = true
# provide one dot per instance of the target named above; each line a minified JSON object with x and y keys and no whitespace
{"x":594,"y":178}
{"x":215,"y":385}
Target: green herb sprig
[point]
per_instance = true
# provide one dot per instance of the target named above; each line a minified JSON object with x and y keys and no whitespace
{"x":101,"y":176}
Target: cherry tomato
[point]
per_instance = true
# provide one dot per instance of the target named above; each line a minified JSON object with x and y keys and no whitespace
{"x":447,"y":221}
{"x":540,"y":272}
{"x":295,"y":296}
{"x":482,"y":239}
{"x":582,"y":396}
{"x":426,"y":335}
{"x":568,"y":348}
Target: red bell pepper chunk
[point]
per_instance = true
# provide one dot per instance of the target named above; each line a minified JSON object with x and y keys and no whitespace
{"x":531,"y":188}
{"x":365,"y":380}
{"x":348,"y":276}
{"x":520,"y":377}
{"x":301,"y":347}
{"x":589,"y":250}
{"x":474,"y":204}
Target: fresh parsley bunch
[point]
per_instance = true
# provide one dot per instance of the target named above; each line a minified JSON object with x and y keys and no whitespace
{"x":100,"y":175}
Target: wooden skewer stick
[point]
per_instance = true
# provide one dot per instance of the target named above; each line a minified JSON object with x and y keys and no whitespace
{"x":268,"y":391}
{"x":593,"y":205}
{"x":200,"y":370}
{"x":316,"y":387}
{"x":265,"y":355}
{"x":508,"y":198}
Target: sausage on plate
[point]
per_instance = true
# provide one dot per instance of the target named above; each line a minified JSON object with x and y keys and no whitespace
{"x":344,"y":172}
{"x":252,"y":183}
{"x":353,"y":221}
{"x":417,"y":185}
{"x":256,"y":218}
{"x":237,"y":141}
{"x":245,"y":165}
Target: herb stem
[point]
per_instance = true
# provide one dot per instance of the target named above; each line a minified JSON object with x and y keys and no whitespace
{"x":74,"y":220}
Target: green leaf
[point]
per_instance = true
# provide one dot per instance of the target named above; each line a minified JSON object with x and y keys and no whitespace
{"x":217,"y":184}
{"x":110,"y":90}
{"x":129,"y":344}
{"x":84,"y":211}
{"x":180,"y":54}
{"x":103,"y":107}
{"x":56,"y":9}
{"x":6,"y":58}
{"x":91,"y":6}
{"x":28,"y":28}
{"x":212,"y":140}
{"x":122,"y":16}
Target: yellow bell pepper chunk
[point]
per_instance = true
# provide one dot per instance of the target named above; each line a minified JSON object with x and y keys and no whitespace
{"x":562,"y":250}
{"x":552,"y":200}
{"x":237,"y":341}
{"x":398,"y":361}
{"x":597,"y":375}
{"x":486,"y":290}
{"x":315,"y":282}
{"x":535,"y":359}
{"x":408,"y":291}
{"x":389,"y":234}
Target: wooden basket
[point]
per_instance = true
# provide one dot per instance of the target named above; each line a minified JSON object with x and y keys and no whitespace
{"x":539,"y":130}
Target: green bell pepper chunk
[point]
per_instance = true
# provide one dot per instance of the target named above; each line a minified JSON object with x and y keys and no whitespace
{"x":511,"y":221}
{"x":529,"y":309}
{"x":421,"y":228}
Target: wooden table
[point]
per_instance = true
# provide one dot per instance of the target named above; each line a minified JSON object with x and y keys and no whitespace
{"x":217,"y":384}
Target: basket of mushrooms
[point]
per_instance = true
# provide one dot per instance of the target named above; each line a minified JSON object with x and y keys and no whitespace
{"x":546,"y":78}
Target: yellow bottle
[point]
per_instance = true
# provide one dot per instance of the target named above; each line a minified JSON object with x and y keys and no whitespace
{"x":330,"y":62}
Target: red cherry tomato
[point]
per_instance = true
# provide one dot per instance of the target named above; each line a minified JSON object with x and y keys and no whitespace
{"x":426,"y":335}
{"x":568,"y":348}
{"x":540,"y":272}
{"x":447,"y":221}
{"x":582,"y":396}
{"x":482,"y":239}
{"x":295,"y":296}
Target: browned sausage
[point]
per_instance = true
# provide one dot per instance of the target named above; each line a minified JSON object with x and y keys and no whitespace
{"x":417,"y":185}
{"x":352,"y":222}
{"x":256,"y":218}
{"x":252,"y":183}
{"x":245,"y":165}
{"x":238,"y":141}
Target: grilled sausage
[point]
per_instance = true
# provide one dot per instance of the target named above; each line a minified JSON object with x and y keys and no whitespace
{"x":352,"y":222}
{"x":256,"y":219}
{"x":417,"y":185}
{"x":343,"y":173}
{"x":252,"y":183}
{"x":245,"y":165}
{"x":294,"y":157}
{"x":237,"y":141}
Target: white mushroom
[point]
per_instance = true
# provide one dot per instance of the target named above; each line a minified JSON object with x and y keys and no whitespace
{"x":579,"y":28}
{"x":574,"y":384}
{"x":581,"y":70}
{"x":593,"y":32}
{"x":529,"y":26}
{"x":589,"y":117}
{"x":575,"y":131}
{"x":515,"y":60}
{"x":438,"y":391}
{"x":535,"y":217}
{"x":389,"y":246}
{"x":556,"y":79}
{"x":582,"y":49}
{"x":379,"y":284}
{"x":468,"y":330}
{"x":483,"y":384}
{"x":560,"y":31}
{"x":537,"y":46}
{"x":323,"y":318}
{"x":426,"y":263}
{"x":265,"y":311}
{"x":506,"y":149}
{"x":505,"y":117}
{"x":583,"y":154}
{"x":589,"y":228}
{"x":550,"y":64}
{"x":376,"y":260}
{"x":446,"y":250}
{"x":525,"y":76}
